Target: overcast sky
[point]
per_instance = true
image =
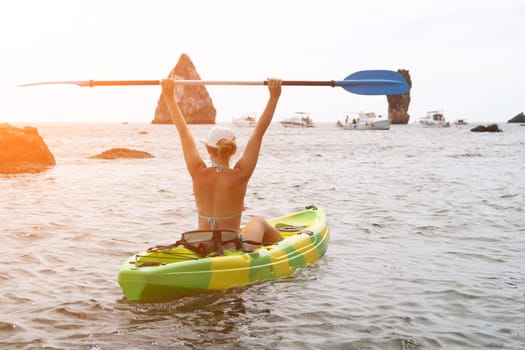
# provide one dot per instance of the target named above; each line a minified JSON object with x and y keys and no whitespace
{"x":465,"y":57}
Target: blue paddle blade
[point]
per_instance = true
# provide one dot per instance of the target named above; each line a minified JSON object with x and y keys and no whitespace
{"x":374,"y":82}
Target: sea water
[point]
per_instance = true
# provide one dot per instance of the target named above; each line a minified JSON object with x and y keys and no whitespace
{"x":426,"y":249}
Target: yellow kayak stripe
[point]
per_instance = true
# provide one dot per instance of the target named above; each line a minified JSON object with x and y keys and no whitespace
{"x":228,"y":271}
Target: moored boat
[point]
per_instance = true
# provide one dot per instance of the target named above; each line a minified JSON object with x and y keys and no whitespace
{"x":247,"y":120}
{"x":366,"y":121}
{"x":461,"y":122}
{"x":434,"y":119}
{"x":298,"y":120}
{"x":166,"y":272}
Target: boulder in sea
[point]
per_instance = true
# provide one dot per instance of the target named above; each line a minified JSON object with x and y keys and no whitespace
{"x":194,"y":101}
{"x":398,"y":104}
{"x":518,"y":118}
{"x":488,"y":128}
{"x":22,"y":150}
{"x":116,"y":153}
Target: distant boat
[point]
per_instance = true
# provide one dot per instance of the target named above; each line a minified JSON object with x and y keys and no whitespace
{"x":461,"y":122}
{"x":298,"y":120}
{"x":434,"y":119}
{"x":247,"y":120}
{"x":366,"y":121}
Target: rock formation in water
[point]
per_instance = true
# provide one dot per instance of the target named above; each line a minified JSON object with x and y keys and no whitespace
{"x":22,"y":150}
{"x":488,"y":128}
{"x":116,"y":153}
{"x":518,"y":118}
{"x":398,"y":104}
{"x":194,"y":100}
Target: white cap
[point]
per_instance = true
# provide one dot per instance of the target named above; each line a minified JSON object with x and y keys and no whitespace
{"x":218,"y":133}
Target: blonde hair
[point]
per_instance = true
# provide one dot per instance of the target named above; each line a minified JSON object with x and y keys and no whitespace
{"x":226,"y":148}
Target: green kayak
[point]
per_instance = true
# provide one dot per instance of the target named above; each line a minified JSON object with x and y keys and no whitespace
{"x":166,"y":272}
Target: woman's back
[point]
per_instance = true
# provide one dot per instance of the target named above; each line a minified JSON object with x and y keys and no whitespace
{"x":219,"y":196}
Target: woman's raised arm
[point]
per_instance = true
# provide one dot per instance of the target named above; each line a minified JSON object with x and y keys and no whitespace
{"x":249,"y":158}
{"x":191,"y":154}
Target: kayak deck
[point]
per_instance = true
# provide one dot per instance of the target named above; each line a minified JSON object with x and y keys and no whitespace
{"x":177,"y":271}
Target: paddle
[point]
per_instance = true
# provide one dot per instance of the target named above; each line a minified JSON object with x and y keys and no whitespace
{"x":366,"y":82}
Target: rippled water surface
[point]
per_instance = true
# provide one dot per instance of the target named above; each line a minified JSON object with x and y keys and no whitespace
{"x":427,"y":242}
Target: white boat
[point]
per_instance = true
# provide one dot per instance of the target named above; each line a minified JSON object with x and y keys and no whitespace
{"x":461,"y":122}
{"x":247,"y":120}
{"x":298,"y":120}
{"x":434,"y":119}
{"x":366,"y":121}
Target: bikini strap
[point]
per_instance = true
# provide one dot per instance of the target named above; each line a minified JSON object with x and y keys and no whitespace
{"x":218,"y":167}
{"x":212,"y":220}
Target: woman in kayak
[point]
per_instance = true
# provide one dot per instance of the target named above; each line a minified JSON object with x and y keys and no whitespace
{"x":219,"y":190}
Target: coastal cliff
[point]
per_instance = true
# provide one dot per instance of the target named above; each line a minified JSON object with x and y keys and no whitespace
{"x":398,"y":104}
{"x":23,"y":150}
{"x":194,"y":101}
{"x":518,"y":118}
